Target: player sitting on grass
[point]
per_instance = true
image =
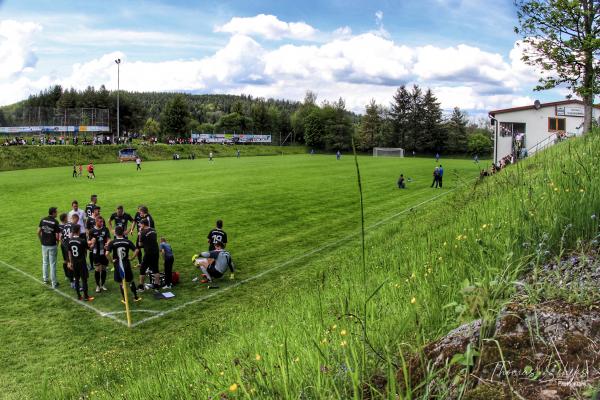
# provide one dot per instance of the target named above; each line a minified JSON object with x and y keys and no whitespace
{"x":120,"y":256}
{"x":213,"y":264}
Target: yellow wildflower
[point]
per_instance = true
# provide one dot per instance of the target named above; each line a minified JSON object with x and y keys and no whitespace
{"x":233,"y":388}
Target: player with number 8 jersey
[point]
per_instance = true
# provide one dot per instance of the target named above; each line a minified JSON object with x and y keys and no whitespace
{"x":77,"y":248}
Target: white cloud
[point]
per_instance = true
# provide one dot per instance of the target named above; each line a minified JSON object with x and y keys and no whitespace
{"x":342,"y":31}
{"x":268,"y":26}
{"x":355,"y":67}
{"x":84,"y":36}
{"x":16,"y":54}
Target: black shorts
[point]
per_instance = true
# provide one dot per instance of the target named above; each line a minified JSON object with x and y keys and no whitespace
{"x":80,"y":270}
{"x":212,"y":271}
{"x":100,"y":260}
{"x":149,"y":264}
{"x":65,"y":252}
{"x":128,"y":272}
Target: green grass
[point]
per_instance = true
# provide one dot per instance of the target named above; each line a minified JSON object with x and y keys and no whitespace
{"x":313,"y":328}
{"x":22,"y":157}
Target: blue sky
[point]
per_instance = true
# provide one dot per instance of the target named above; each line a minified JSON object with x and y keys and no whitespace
{"x":463,"y":49}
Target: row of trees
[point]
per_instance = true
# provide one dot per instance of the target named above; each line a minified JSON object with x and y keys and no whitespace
{"x":414,"y":121}
{"x":172,"y":114}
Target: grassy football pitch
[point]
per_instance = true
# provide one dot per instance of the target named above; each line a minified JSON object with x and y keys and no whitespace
{"x":281,"y":214}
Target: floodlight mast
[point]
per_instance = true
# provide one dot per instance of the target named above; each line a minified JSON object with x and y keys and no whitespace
{"x":118,"y":62}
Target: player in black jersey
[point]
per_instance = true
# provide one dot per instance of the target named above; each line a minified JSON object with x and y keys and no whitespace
{"x":77,"y":247}
{"x":65,"y":234}
{"x":120,"y":218}
{"x":98,"y":238}
{"x":89,"y":209}
{"x":120,"y":247}
{"x":141,"y":214}
{"x":90,"y":222}
{"x":149,"y":242}
{"x":217,"y":235}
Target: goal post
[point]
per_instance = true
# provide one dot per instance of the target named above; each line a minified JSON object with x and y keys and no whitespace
{"x":388,"y":152}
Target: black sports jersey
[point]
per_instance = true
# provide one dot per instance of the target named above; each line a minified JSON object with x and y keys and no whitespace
{"x":49,"y":229}
{"x":90,"y":223}
{"x":138,"y":220}
{"x":102,"y":236}
{"x":149,"y":241}
{"x":89,"y":209}
{"x":121,"y":220}
{"x":65,"y":232}
{"x":120,"y":249}
{"x":216,"y":235}
{"x":77,"y":247}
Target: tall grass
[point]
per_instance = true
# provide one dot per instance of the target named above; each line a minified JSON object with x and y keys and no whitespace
{"x":441,"y":265}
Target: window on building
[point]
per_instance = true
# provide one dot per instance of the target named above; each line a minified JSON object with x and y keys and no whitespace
{"x":511,"y":128}
{"x":556,"y":124}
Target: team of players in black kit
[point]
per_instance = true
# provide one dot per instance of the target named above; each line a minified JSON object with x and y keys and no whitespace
{"x":78,"y":237}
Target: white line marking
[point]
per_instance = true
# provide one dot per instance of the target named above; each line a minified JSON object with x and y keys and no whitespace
{"x":310,"y":253}
{"x":123,"y":312}
{"x":76,"y":301}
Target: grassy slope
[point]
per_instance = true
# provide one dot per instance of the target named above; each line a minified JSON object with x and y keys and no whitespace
{"x":303,"y":322}
{"x":274,"y":210}
{"x":22,"y":157}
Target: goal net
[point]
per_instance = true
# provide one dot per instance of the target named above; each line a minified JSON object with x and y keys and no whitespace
{"x":388,"y":152}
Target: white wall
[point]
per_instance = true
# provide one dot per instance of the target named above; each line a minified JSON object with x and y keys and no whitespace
{"x":536,"y":129}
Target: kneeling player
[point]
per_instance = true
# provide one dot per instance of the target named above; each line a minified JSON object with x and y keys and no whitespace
{"x":77,"y":247}
{"x":120,"y":247}
{"x":215,"y":263}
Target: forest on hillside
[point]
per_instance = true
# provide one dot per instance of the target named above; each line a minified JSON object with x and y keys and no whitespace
{"x":413,"y":120}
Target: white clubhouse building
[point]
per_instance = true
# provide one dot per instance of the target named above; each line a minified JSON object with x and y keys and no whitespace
{"x":524,"y":130}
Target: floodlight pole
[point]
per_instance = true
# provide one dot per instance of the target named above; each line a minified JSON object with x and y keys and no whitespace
{"x":118,"y":61}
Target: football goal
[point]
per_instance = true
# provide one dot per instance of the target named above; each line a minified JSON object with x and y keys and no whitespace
{"x":388,"y":152}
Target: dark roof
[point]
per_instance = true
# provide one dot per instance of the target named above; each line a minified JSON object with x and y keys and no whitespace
{"x":531,"y":107}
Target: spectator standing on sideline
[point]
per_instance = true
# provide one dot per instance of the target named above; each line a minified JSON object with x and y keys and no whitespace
{"x":338,"y":155}
{"x":74,"y":170}
{"x":437,"y":157}
{"x":48,"y":233}
{"x":238,"y":153}
{"x":169,"y":259}
{"x":440,"y":175}
{"x":138,"y":163}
